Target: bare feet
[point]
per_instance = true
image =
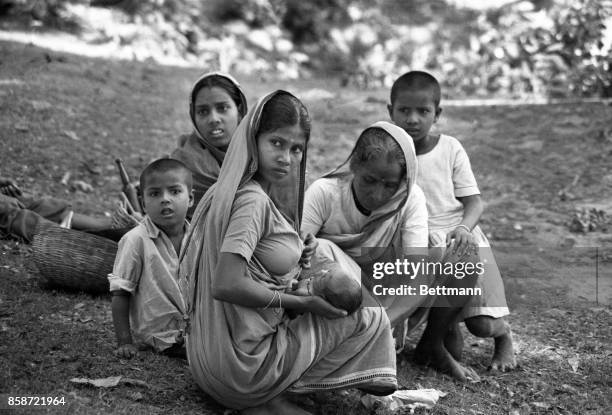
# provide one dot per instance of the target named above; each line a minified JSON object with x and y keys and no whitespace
{"x":442,"y":360}
{"x":503,"y":357}
{"x":439,"y":358}
{"x":277,"y":406}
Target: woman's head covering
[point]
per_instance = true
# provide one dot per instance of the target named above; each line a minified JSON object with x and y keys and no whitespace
{"x":212,"y":215}
{"x":197,"y":153}
{"x":198,"y":261}
{"x":204,"y":81}
{"x":383,"y":224}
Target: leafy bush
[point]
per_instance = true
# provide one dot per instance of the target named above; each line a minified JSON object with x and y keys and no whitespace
{"x":555,"y":50}
{"x":531,"y":47}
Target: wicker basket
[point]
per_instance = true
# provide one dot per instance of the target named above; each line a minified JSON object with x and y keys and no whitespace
{"x":73,"y":260}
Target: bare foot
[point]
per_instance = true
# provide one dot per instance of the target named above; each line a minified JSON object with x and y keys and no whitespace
{"x":444,"y":362}
{"x":277,"y":406}
{"x":440,"y":359}
{"x":454,"y":342}
{"x":503,"y":357}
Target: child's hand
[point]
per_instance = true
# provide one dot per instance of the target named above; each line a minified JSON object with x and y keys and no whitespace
{"x":126,"y":351}
{"x":460,"y":240}
{"x":310,"y":247}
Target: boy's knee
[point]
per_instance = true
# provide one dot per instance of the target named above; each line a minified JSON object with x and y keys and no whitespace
{"x":482,"y":326}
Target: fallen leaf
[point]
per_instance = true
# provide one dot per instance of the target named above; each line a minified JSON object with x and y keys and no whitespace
{"x":541,"y":405}
{"x":65,"y":178}
{"x":110,"y":382}
{"x":99,"y":383}
{"x":22,"y":127}
{"x":574,"y":362}
{"x":82,"y":186}
{"x":40,"y":105}
{"x":71,"y":134}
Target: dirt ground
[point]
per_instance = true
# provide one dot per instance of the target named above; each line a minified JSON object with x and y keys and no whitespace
{"x":536,"y":165}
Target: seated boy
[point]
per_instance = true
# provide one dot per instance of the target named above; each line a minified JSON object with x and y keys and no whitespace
{"x":454,"y":206}
{"x":146,"y":297}
{"x":336,"y":286}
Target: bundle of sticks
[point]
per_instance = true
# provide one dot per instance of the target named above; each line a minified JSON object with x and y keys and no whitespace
{"x":129,"y":193}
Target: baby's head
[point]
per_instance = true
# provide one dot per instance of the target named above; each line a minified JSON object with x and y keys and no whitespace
{"x":166,"y":188}
{"x":415,"y":103}
{"x":339,"y":289}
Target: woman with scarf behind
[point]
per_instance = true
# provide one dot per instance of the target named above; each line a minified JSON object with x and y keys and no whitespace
{"x":242,"y":255}
{"x":372,"y":201}
{"x":216,"y":106}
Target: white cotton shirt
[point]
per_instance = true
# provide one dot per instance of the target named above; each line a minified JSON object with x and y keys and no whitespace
{"x":329,"y":208}
{"x":445,"y":174}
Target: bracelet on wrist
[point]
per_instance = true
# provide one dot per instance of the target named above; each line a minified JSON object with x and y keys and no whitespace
{"x":308,"y":286}
{"x":464,"y":227}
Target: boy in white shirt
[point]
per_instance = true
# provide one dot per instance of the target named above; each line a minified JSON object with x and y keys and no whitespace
{"x":454,"y":207}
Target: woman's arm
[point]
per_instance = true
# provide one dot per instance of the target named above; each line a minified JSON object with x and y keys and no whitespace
{"x":233,"y":285}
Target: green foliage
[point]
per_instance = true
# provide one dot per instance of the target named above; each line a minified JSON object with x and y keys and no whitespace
{"x":555,"y":50}
{"x":310,"y":21}
{"x":531,"y":47}
{"x":50,"y":13}
{"x":254,"y":13}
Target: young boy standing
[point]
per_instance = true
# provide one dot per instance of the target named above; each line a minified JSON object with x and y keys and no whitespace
{"x":147,"y":301}
{"x":454,"y":206}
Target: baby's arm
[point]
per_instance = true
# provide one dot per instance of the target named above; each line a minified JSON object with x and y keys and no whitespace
{"x":462,"y":234}
{"x":121,"y":320}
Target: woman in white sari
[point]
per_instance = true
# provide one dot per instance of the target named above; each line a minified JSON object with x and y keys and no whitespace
{"x":240,"y":259}
{"x":371,"y":210}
